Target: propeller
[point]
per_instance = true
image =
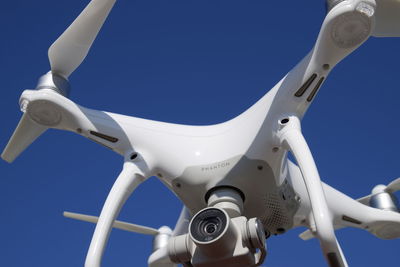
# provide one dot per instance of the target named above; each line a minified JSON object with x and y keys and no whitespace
{"x":65,"y":55}
{"x":130,"y":227}
{"x":387,"y":18}
{"x":26,"y":132}
{"x":71,"y":48}
{"x":394,"y":186}
{"x":383,"y":197}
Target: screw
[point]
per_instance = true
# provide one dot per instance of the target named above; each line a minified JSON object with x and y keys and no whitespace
{"x":134,"y":156}
{"x":285,"y":120}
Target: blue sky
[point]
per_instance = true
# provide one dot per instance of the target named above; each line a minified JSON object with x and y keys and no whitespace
{"x":191,"y":62}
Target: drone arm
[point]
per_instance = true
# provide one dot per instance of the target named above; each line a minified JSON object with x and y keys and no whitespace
{"x":292,"y":139}
{"x":347,"y":212}
{"x":127,"y":181}
{"x":107,"y":129}
{"x":296,"y":91}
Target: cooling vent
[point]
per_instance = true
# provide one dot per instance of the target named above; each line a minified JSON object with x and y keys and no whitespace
{"x":275,"y":218}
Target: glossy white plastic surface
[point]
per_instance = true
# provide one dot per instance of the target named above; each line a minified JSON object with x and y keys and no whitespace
{"x":71,"y":48}
{"x":127,"y":181}
{"x":292,"y":139}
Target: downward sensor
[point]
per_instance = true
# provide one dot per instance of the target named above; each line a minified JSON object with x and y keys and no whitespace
{"x":352,"y":28}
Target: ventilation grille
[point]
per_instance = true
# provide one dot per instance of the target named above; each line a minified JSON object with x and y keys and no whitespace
{"x":275,"y":218}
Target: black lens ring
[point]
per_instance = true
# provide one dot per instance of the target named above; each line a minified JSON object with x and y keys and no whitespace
{"x":208,"y":225}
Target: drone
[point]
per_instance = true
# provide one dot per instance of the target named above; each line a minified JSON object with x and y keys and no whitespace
{"x":235,"y":179}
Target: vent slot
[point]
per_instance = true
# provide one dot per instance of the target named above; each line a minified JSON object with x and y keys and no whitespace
{"x":104,"y":136}
{"x":315,"y":90}
{"x":351,"y":220}
{"x":305,"y":86}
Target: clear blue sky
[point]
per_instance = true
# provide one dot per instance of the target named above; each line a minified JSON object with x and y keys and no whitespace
{"x":192,"y":62}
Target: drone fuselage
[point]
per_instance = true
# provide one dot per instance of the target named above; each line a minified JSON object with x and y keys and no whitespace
{"x":192,"y":160}
{"x":247,"y":154}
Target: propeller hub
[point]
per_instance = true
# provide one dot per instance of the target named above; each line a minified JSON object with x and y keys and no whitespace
{"x":161,"y":240}
{"x":380,"y":188}
{"x":54,"y":82}
{"x":384,"y":201}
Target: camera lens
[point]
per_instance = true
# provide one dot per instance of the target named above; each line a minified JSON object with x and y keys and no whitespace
{"x":208,"y":225}
{"x":210,"y":228}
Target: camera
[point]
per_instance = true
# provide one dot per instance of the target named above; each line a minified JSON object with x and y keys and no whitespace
{"x":213,"y":232}
{"x":216,"y":239}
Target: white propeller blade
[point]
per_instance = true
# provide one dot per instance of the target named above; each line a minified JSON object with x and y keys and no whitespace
{"x":394,"y":186}
{"x":117,"y":224}
{"x":26,"y":132}
{"x":71,"y":48}
{"x":306,"y":235}
{"x":387,"y":18}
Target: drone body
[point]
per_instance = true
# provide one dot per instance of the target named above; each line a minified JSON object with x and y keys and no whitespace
{"x":210,"y":156}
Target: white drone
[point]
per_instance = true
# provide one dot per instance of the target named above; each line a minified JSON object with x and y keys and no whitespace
{"x":235,"y":179}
